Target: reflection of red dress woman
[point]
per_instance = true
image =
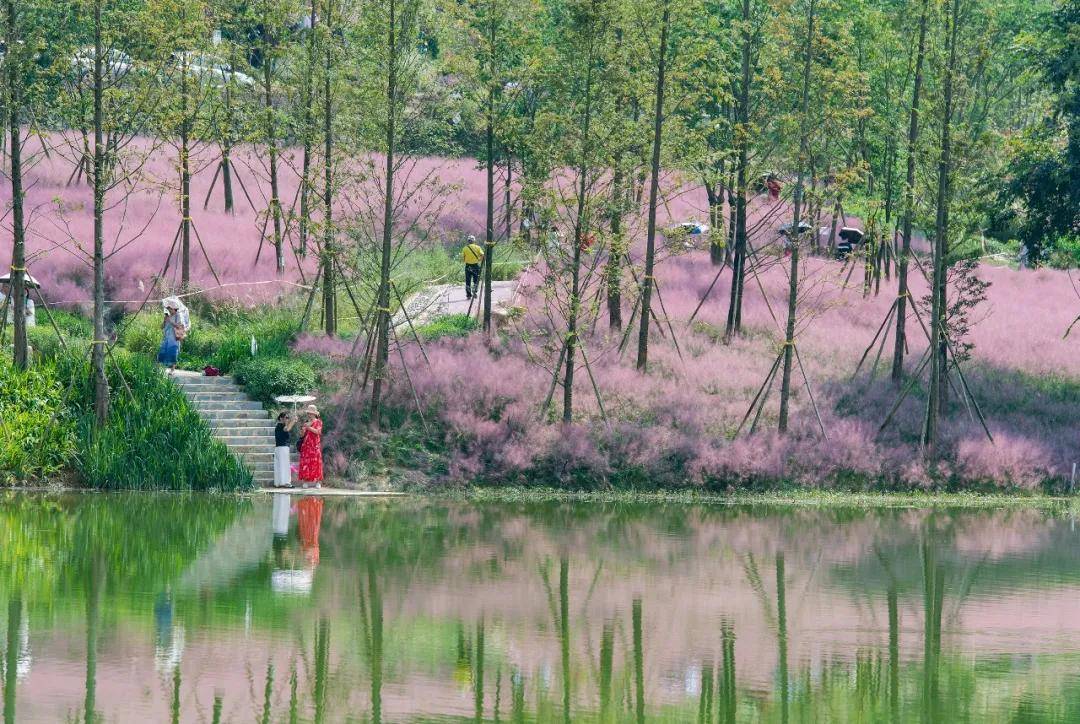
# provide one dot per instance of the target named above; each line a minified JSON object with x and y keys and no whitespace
{"x":311,"y":467}
{"x":309,"y":518}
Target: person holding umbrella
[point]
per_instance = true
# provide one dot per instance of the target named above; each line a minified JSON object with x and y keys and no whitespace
{"x":7,"y":300}
{"x":174,"y":327}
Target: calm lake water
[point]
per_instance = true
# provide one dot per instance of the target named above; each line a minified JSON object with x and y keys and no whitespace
{"x":144,"y":608}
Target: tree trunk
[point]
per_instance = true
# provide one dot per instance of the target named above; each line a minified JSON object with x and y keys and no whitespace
{"x":938,"y":332}
{"x":329,"y":285}
{"x":654,"y":187}
{"x":309,"y":136}
{"x":185,"y":179}
{"x":715,"y":193}
{"x":226,"y":147}
{"x":900,"y":338}
{"x":18,"y":252}
{"x":97,"y":357}
{"x":383,"y":332}
{"x":509,"y":203}
{"x":272,"y":148}
{"x":793,"y":281}
{"x":738,"y":262}
{"x":613,"y":268}
{"x":489,"y":246}
{"x":580,"y":231}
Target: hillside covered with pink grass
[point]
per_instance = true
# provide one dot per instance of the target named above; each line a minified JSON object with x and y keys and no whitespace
{"x":674,"y":426}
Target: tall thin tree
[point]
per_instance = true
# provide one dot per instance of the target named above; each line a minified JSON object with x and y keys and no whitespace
{"x":742,"y":162}
{"x":903,"y":292}
{"x":654,"y":187}
{"x":392,"y":60}
{"x":938,"y":306}
{"x":17,"y":303}
{"x":795,"y":235}
{"x":97,"y":355}
{"x":329,"y":285}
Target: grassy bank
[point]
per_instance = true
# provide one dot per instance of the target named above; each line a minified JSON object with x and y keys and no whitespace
{"x":152,"y":440}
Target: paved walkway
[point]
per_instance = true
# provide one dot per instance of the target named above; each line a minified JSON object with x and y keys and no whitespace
{"x":443,"y":299}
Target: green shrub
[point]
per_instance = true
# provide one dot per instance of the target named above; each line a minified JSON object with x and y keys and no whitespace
{"x":265,"y":377}
{"x":69,"y":323}
{"x":153,"y":439}
{"x":223,"y":342}
{"x":449,"y":325}
{"x":141,"y":335}
{"x":1066,"y":253}
{"x":76,"y":330}
{"x":47,"y":346}
{"x":37,"y":435}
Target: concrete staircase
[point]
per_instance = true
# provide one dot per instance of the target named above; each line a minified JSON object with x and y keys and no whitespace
{"x":240,"y":422}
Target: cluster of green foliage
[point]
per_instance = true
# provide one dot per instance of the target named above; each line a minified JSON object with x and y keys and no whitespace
{"x":220,"y":337}
{"x":448,"y":325}
{"x":153,"y":438}
{"x":75,"y":330}
{"x":1040,"y":202}
{"x":264,"y":377}
{"x":37,"y":431}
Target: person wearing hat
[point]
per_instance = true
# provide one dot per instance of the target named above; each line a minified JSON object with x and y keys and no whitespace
{"x":473,"y":256}
{"x":311,"y":462}
{"x":173,"y":330}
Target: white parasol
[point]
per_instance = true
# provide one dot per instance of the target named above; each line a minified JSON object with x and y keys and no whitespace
{"x":181,"y":310}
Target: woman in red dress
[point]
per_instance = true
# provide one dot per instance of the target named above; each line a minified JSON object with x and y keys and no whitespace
{"x":311,"y":464}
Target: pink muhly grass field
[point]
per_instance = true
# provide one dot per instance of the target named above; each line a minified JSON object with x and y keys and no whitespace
{"x":140,"y":226}
{"x":673,"y":426}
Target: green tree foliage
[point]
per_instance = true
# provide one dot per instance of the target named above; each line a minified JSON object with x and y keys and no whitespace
{"x":1044,"y":161}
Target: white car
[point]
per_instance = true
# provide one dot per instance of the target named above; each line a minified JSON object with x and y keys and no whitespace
{"x":115,"y":64}
{"x":689,"y":233}
{"x":691,"y":228}
{"x":216,"y":70}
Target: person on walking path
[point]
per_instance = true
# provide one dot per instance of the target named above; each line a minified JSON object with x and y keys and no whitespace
{"x":311,"y":462}
{"x":282,"y":472}
{"x":174,"y":327}
{"x":473,"y":256}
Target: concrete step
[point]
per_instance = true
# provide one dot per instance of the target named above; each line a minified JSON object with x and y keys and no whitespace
{"x":207,"y":382}
{"x":218,"y":395}
{"x":241,"y":436}
{"x":218,"y":415}
{"x":256,"y":456}
{"x":246,"y":424}
{"x":227,"y":405}
{"x":244,"y":448}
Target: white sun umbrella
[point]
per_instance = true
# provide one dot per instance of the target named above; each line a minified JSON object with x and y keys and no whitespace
{"x":31,"y":282}
{"x":181,"y":310}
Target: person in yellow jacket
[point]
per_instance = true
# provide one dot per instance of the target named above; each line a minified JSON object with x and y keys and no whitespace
{"x":473,"y":256}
